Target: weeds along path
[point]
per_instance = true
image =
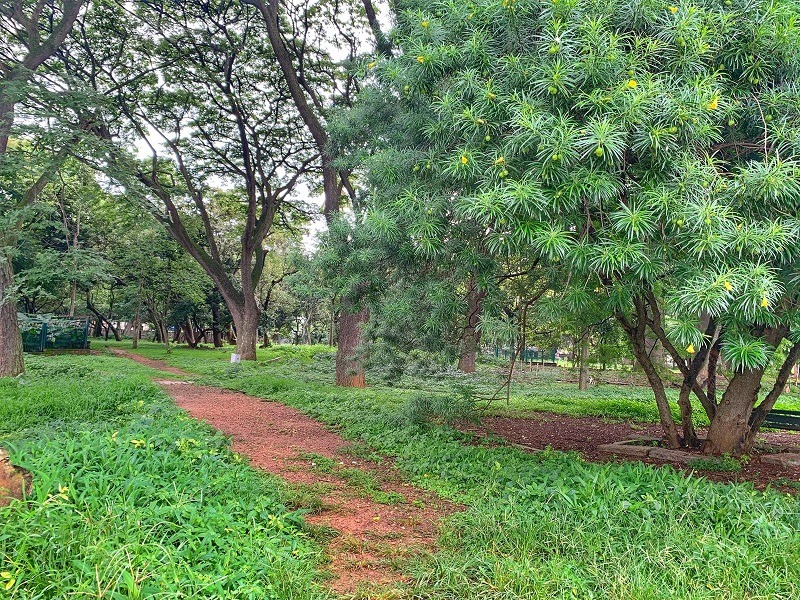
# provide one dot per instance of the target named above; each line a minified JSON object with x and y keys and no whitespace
{"x":380,"y":521}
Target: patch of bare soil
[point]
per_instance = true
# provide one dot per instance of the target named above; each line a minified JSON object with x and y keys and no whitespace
{"x":373,"y":538}
{"x":149,"y":362}
{"x":585,"y":434}
{"x":14,"y":481}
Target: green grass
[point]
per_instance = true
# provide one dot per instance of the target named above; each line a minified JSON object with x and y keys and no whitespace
{"x":547,"y":525}
{"x":531,"y":394}
{"x":133,"y":499}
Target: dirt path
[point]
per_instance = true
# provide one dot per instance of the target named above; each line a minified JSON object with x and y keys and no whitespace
{"x":149,"y":362}
{"x":381,"y":521}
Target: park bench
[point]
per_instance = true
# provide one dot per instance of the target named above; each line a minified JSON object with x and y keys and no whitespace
{"x":783,"y":419}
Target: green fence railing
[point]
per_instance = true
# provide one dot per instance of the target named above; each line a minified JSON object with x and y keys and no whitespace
{"x":544,"y":356}
{"x":47,"y":332}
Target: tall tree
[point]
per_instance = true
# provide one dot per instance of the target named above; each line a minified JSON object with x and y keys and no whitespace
{"x":30,"y":35}
{"x":649,"y":150}
{"x":198,"y":87}
{"x":289,"y":31}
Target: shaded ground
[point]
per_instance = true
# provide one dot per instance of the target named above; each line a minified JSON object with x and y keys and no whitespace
{"x":379,"y":520}
{"x":585,"y":434}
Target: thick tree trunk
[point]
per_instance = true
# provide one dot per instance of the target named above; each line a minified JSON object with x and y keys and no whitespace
{"x":471,"y":337}
{"x":11,"y":358}
{"x":728,"y":431}
{"x":349,"y":371}
{"x":246,"y":320}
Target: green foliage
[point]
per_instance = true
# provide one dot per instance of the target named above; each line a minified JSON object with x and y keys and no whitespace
{"x":644,"y":152}
{"x":132,"y":498}
{"x":423,"y":408}
{"x":718,"y":463}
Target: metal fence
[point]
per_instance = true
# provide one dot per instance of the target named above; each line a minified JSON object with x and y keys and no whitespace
{"x":544,"y":356}
{"x":47,"y":332}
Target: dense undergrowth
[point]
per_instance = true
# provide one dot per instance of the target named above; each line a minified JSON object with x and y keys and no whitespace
{"x":133,"y":499}
{"x":546,"y":525}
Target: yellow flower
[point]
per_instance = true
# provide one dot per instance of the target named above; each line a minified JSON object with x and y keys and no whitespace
{"x":673,"y":9}
{"x":632,"y":83}
{"x":420,"y":59}
{"x":464,"y":159}
{"x":713,"y":104}
{"x":764,"y":302}
{"x":690,"y":349}
{"x":728,"y":286}
{"x":500,"y":161}
{"x":371,"y":65}
{"x":424,"y":23}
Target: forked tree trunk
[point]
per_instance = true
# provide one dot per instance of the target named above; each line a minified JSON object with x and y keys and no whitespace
{"x":11,"y":358}
{"x":349,"y":371}
{"x":471,"y":337}
{"x":728,"y":431}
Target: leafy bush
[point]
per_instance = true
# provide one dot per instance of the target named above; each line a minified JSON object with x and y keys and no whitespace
{"x":421,"y":409}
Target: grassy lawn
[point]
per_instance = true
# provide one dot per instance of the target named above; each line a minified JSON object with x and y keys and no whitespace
{"x":546,"y":525}
{"x":135,"y":500}
{"x":314,"y":365}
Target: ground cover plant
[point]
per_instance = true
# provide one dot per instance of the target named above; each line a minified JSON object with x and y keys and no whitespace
{"x":548,"y":525}
{"x":133,"y":499}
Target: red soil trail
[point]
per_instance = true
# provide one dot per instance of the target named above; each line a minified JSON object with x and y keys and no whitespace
{"x":149,"y":362}
{"x":373,"y":539}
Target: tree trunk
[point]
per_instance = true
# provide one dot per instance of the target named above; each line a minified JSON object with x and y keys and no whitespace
{"x":188,"y":332}
{"x":246,"y":321}
{"x":728,"y":431}
{"x":349,"y":371}
{"x":216,"y":334}
{"x":471,"y":337}
{"x":11,"y":358}
{"x":637,"y":336}
{"x":685,"y":404}
{"x":266,"y":342}
{"x":583,"y":373}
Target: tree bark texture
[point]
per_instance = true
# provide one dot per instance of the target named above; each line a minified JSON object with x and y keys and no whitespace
{"x":11,"y":358}
{"x":471,"y":336}
{"x":349,"y":372}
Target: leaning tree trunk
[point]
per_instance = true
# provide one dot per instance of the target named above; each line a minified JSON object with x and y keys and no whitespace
{"x":11,"y":359}
{"x":349,"y":371}
{"x":471,"y":337}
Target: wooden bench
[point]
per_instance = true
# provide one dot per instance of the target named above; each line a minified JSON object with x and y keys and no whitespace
{"x":783,"y":419}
